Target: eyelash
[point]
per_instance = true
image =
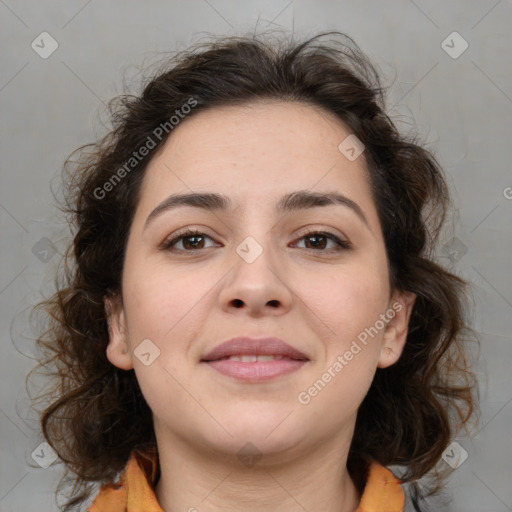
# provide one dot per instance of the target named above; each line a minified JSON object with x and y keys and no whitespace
{"x":342,"y":244}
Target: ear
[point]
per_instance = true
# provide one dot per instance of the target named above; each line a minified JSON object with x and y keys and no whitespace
{"x":395,"y":333}
{"x":118,"y":350}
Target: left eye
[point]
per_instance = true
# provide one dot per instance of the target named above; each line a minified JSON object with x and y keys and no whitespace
{"x":339,"y":245}
{"x":195,"y":240}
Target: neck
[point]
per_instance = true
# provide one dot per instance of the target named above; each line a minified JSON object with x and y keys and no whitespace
{"x":195,"y":480}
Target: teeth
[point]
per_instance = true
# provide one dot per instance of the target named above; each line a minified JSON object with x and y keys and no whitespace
{"x":253,"y":358}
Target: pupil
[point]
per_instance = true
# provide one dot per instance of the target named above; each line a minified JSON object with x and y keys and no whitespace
{"x":195,"y":237}
{"x":316,"y":237}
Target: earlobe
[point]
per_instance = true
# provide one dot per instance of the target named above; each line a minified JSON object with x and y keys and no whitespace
{"x":118,"y":350}
{"x":395,"y":334}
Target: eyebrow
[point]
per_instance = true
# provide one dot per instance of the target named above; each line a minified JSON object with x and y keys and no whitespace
{"x":299,"y":200}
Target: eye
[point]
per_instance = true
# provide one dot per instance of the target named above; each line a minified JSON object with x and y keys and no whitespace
{"x":191,"y":238}
{"x":318,"y":241}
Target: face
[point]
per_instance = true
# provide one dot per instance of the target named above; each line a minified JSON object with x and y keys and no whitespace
{"x":315,"y":277}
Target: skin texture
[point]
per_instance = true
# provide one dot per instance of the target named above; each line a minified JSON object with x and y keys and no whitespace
{"x":316,"y":299}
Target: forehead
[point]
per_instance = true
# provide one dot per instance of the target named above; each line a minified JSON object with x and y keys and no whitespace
{"x":256,"y":152}
{"x":265,"y":127}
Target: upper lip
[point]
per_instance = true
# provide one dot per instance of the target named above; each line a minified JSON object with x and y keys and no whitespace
{"x":243,"y":345}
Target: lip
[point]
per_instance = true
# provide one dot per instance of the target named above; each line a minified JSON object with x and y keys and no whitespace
{"x":258,"y":370}
{"x":244,"y":345}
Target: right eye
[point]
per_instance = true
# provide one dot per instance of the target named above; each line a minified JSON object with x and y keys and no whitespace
{"x":192,"y":238}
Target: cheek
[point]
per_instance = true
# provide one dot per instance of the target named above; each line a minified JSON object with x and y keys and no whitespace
{"x":165,"y":308}
{"x":158,"y":301}
{"x":349,"y":354}
{"x":347,"y":305}
{"x":347,"y":300}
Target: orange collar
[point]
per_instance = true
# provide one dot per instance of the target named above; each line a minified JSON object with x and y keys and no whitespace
{"x":134,"y":491}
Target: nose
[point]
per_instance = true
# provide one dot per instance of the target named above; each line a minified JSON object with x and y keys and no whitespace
{"x":257,"y":288}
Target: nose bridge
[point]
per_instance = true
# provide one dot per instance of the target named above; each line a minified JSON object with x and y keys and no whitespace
{"x":255,"y":281}
{"x":256,"y":257}
{"x":256,"y":244}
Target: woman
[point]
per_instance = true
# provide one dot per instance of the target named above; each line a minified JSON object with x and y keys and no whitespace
{"x":252,"y":318}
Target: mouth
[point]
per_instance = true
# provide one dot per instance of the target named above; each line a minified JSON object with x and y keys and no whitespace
{"x":255,"y":360}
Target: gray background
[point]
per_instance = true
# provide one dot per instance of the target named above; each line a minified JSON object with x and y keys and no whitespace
{"x":460,"y":106}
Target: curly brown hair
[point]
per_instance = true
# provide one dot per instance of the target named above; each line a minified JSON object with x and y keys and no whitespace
{"x":96,"y":414}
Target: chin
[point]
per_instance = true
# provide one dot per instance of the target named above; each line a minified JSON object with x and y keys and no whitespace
{"x":266,"y":434}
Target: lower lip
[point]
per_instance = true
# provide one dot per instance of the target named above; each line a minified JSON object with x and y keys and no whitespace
{"x":256,"y":371}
